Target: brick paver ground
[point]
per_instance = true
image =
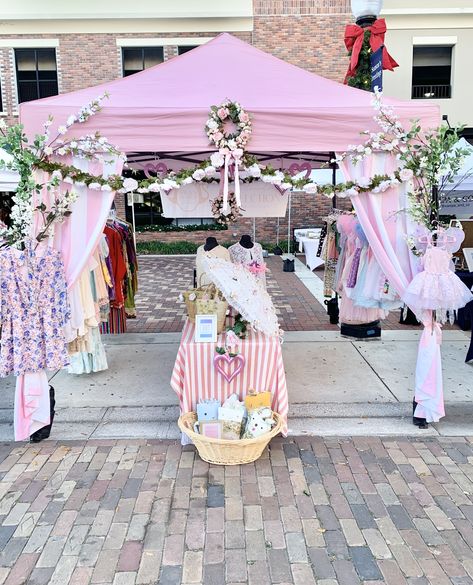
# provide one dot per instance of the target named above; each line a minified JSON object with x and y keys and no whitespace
{"x":311,"y":510}
{"x":161,"y":280}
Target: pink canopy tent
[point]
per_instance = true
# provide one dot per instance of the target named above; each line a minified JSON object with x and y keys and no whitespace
{"x":165,"y":108}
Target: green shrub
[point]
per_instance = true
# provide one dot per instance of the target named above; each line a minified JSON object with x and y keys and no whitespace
{"x":210,"y":227}
{"x":183,"y":247}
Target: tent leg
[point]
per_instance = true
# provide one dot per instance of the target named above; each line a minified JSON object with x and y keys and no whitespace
{"x":133,"y":217}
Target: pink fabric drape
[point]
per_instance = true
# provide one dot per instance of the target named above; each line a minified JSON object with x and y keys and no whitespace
{"x":76,"y":239}
{"x":386,"y":230}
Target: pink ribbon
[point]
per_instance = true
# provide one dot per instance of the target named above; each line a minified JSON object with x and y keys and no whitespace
{"x":434,"y":329}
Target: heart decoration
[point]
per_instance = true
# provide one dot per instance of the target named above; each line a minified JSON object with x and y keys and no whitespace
{"x":297,"y":168}
{"x":221,"y":358}
{"x":280,"y":189}
{"x":154,"y":168}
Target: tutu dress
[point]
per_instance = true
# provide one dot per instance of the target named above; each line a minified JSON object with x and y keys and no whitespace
{"x":437,"y":288}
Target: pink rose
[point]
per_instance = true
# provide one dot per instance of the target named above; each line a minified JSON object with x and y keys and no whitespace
{"x":244,"y":135}
{"x":244,"y":117}
{"x":222,"y":113}
{"x":217,"y":136}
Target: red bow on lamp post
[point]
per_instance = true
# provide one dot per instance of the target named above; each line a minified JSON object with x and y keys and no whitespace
{"x":354,"y":36}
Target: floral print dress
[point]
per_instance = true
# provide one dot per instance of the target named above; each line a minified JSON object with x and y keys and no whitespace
{"x":33,"y":311}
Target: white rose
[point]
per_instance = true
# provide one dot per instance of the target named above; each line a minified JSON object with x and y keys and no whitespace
{"x":267,"y":179}
{"x":130,"y":184}
{"x":57,"y":175}
{"x":210,"y":171}
{"x":406,"y":174}
{"x":106,"y":188}
{"x":187,"y":181}
{"x":217,"y":159}
{"x":71,"y":120}
{"x":212,"y":124}
{"x":198,"y":174}
{"x":310,"y":188}
{"x":351,"y":192}
{"x":254,"y":171}
{"x":95,"y":186}
{"x":286,"y":185}
{"x":155,"y":187}
{"x":68,"y":180}
{"x":232,"y":144}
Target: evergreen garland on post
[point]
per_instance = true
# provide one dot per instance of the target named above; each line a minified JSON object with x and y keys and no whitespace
{"x":362,"y":77}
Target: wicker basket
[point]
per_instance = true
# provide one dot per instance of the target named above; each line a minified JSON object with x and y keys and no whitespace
{"x":227,"y":452}
{"x":216,"y":306}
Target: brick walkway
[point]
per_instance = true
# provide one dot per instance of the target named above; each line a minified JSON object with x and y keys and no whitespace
{"x":161,"y":280}
{"x":333,"y":511}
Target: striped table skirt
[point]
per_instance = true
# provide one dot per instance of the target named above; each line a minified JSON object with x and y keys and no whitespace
{"x":195,"y":378}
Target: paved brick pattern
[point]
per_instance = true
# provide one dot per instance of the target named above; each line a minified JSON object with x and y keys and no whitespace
{"x":311,"y":510}
{"x":161,"y":280}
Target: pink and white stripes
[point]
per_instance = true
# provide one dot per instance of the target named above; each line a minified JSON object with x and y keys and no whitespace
{"x":194,"y":376}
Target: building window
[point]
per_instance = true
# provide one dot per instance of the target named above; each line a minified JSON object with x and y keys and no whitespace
{"x":185,"y":49}
{"x":36,"y":73}
{"x":149,"y":212}
{"x":431,"y":72}
{"x":136,"y":59}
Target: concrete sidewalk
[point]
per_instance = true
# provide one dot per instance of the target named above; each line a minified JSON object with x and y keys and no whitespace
{"x":336,"y":387}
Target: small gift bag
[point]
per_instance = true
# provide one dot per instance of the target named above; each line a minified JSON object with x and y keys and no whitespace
{"x":260,"y":421}
{"x":213,"y":303}
{"x":255,"y":400}
{"x":207,"y":410}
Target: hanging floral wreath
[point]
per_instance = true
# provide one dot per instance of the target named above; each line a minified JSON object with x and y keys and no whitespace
{"x":232,"y":112}
{"x":232,"y":214}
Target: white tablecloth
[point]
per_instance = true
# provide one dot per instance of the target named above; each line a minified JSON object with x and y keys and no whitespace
{"x":310,"y":247}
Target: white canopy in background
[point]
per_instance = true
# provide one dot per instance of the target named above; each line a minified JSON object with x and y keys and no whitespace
{"x":8,"y":179}
{"x":257,"y":200}
{"x":458,"y":200}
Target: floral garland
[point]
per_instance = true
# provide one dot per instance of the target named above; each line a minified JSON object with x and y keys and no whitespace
{"x":425,"y":160}
{"x":230,"y":216}
{"x":215,"y":127}
{"x":29,"y":157}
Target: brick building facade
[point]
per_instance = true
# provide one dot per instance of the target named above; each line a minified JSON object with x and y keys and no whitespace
{"x":307,"y":33}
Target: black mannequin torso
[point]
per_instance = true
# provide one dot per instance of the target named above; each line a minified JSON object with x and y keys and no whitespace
{"x":210,"y":244}
{"x":246,"y":242}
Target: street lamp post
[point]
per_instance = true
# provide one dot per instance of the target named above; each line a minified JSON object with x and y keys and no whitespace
{"x":366,"y":11}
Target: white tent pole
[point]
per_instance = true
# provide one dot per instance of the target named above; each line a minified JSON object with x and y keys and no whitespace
{"x":254,"y":229}
{"x":133,"y":217}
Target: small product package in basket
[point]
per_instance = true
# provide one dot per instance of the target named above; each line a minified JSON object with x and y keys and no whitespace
{"x":255,"y":400}
{"x":207,"y":410}
{"x":211,"y":429}
{"x":232,"y":414}
{"x":260,"y":421}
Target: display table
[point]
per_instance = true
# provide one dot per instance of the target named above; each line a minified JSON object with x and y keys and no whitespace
{"x":194,"y":376}
{"x":310,"y":247}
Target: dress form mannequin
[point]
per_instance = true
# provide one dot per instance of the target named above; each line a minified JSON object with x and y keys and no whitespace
{"x":248,"y":252}
{"x":246,"y":241}
{"x":210,"y":248}
{"x":210,"y":244}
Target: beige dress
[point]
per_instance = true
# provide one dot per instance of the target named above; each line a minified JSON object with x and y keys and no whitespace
{"x":217,"y":252}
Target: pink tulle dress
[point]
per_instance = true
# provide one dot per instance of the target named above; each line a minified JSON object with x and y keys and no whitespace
{"x":437,"y":287}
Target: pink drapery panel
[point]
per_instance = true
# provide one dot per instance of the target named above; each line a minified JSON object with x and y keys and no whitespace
{"x":77,"y":239}
{"x":386,"y":231}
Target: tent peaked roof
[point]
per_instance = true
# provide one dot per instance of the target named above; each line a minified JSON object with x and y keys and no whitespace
{"x":164,"y":108}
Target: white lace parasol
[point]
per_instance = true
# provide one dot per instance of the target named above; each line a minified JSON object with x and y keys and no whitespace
{"x":244,"y":293}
